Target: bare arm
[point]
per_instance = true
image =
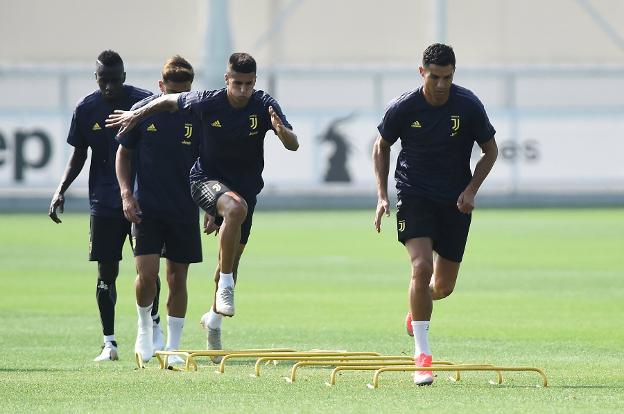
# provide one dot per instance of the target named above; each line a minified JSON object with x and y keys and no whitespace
{"x":381,"y":163}
{"x":74,"y":166}
{"x":465,"y":202}
{"x":123,"y":168}
{"x":286,"y":135}
{"x":126,"y":120}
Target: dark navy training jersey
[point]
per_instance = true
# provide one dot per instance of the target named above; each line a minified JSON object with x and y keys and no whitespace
{"x":436,"y":142}
{"x":167,"y":145}
{"x":232,"y":149}
{"x":88,"y":130}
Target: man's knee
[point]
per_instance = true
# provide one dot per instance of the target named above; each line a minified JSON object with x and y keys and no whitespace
{"x":108,"y":271}
{"x":422,"y":270}
{"x":235,"y":209}
{"x":421,"y":267}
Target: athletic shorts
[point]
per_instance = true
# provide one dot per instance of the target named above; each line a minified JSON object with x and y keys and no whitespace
{"x":107,"y":237}
{"x":206,"y":193}
{"x":444,"y":224}
{"x":178,"y":242}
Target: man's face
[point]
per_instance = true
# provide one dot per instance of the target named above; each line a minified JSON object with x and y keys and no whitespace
{"x":239,"y":87}
{"x":437,"y":82}
{"x":110,"y":80}
{"x":167,"y":87}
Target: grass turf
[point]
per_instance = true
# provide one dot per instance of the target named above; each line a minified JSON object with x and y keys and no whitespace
{"x":537,"y":287}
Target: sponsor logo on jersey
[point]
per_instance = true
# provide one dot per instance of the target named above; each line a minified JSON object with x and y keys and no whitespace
{"x":96,"y":127}
{"x":253,"y":121}
{"x":454,"y":125}
{"x":216,"y":187}
{"x":216,"y":124}
{"x":151,"y":128}
{"x":401,"y":225}
{"x":415,"y":124}
{"x":188,"y":130}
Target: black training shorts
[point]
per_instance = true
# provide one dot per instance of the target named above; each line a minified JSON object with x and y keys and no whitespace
{"x":178,"y":242}
{"x":107,"y":237}
{"x":207,"y":192}
{"x":444,"y":224}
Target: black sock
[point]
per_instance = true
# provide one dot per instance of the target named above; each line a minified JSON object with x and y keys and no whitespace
{"x":156,"y":300}
{"x":106,"y":296}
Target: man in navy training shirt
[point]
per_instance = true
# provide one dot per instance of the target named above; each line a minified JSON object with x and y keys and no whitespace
{"x":163,"y":214}
{"x":228,"y":175}
{"x":108,"y":226}
{"x":438,"y":124}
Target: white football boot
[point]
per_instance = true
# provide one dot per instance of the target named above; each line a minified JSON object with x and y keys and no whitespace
{"x":109,"y":353}
{"x":225,"y":301}
{"x":213,"y":338}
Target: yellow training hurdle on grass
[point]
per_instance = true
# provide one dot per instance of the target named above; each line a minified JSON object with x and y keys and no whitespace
{"x":462,"y":367}
{"x":303,"y":355}
{"x":340,"y":360}
{"x":375,"y":367}
{"x":190,"y":355}
{"x":331,"y":360}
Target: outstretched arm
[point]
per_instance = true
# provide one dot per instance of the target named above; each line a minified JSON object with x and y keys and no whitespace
{"x":465,"y":202}
{"x":381,"y":163}
{"x":286,"y":135}
{"x":126,"y":120}
{"x":74,"y":166}
{"x":123,"y":168}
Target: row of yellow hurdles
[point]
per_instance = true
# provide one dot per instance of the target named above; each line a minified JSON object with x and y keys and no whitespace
{"x":339,"y":360}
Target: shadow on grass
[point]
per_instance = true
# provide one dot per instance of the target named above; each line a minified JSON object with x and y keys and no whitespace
{"x":36,"y":370}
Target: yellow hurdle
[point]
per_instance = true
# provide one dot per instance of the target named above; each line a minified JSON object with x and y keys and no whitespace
{"x":331,"y":359}
{"x":375,"y":367}
{"x":290,"y":354}
{"x":190,"y":355}
{"x":463,"y":367}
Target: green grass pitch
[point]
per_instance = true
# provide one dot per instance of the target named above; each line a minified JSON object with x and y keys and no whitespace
{"x":537,"y":287}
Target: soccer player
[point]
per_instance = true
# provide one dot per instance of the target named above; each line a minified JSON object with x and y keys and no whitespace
{"x":228,"y":174}
{"x":161,"y":209}
{"x":109,"y":228}
{"x":438,"y":124}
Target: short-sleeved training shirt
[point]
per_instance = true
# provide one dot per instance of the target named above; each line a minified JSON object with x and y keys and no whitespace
{"x":436,"y":142}
{"x":88,"y":130}
{"x":167,"y":145}
{"x":232,"y":149}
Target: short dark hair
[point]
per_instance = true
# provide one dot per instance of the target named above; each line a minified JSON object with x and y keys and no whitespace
{"x":242,"y":62}
{"x":109,"y":58}
{"x":438,"y":54}
{"x":177,"y":69}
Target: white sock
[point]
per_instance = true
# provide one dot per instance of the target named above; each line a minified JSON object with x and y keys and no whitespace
{"x":155,"y":317}
{"x":109,"y":338}
{"x":421,"y":337}
{"x":145,"y":317}
{"x":174,"y":332}
{"x":214,"y":319}
{"x":226,"y":280}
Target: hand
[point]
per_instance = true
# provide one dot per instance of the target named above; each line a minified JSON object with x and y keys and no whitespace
{"x":58,"y":203}
{"x":276,"y":121}
{"x":131,"y":209}
{"x":465,"y":202}
{"x":383,"y":207}
{"x":125,"y":120}
{"x":209,"y":224}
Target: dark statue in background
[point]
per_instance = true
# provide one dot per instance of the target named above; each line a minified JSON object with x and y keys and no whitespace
{"x":337,"y":163}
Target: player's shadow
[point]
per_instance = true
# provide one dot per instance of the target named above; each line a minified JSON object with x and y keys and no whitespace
{"x":36,"y":370}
